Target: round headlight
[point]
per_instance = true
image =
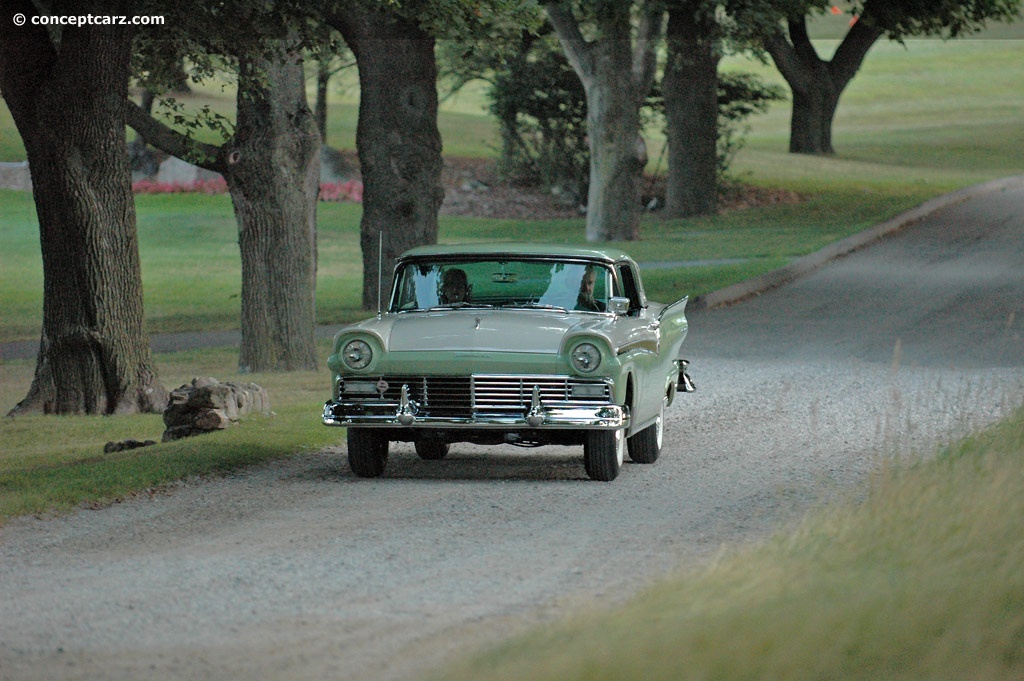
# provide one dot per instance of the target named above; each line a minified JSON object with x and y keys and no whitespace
{"x":356,"y":354}
{"x":585,"y":358}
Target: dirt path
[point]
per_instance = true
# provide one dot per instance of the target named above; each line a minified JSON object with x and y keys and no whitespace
{"x":298,"y":570}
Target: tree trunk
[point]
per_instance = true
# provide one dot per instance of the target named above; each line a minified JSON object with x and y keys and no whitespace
{"x":617,"y":76}
{"x":690,"y":89}
{"x":816,"y":84}
{"x":273,"y":176}
{"x":617,"y":152}
{"x":397,"y":138}
{"x":272,"y":169}
{"x":814,"y":108}
{"x":94,"y":355}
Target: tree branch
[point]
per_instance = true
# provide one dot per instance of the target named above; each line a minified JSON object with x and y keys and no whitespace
{"x":161,"y":136}
{"x":786,"y":61}
{"x":851,"y":52}
{"x":801,"y":40}
{"x":577,"y":49}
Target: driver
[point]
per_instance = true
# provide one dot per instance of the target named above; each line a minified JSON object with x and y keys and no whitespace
{"x":585,"y":300}
{"x":454,"y":287}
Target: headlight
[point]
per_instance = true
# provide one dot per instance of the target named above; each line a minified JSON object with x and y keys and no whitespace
{"x":585,"y":358}
{"x":356,"y":354}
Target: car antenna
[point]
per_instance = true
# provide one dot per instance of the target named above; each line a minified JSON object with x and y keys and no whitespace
{"x":380,"y":270}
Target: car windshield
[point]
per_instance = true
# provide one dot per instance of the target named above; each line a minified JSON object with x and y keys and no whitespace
{"x":507,"y":283}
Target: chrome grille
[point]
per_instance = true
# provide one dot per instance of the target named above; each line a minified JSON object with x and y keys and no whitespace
{"x":512,"y":394}
{"x":491,"y":395}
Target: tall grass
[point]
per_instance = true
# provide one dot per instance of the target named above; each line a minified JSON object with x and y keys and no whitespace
{"x":921,"y":580}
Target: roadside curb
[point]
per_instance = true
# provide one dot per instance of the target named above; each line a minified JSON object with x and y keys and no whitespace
{"x":802,"y":266}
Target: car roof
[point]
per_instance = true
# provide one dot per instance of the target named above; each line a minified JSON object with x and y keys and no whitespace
{"x":517,"y":249}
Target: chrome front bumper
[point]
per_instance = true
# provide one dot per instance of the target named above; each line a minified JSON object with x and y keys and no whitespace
{"x":597,"y":417}
{"x":478,"y":402}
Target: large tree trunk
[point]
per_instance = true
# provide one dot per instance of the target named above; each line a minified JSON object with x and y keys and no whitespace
{"x":817,"y":84}
{"x":690,"y":89}
{"x":814,"y":109}
{"x":397,"y":138}
{"x":66,"y":100}
{"x":273,"y":176}
{"x":617,"y":152}
{"x":272,"y":169}
{"x":617,"y":76}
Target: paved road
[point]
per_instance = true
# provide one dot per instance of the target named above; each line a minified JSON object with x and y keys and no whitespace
{"x":947,"y":290}
{"x":298,"y":570}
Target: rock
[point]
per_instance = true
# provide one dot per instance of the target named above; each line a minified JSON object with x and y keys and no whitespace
{"x":210,"y":419}
{"x":334,"y":166}
{"x":15,"y":176}
{"x":177,"y":432}
{"x":111,"y":447}
{"x":208,"y":404}
{"x":143,"y":159}
{"x":175,"y":171}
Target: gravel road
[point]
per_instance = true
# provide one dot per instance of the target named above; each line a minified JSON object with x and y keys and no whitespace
{"x":298,"y":570}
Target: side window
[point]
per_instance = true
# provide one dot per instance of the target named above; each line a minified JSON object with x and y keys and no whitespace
{"x":629,"y":288}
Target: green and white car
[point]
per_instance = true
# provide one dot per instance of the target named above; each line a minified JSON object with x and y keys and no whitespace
{"x":523,"y":344}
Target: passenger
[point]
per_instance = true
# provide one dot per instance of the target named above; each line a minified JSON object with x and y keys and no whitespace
{"x":454,"y":287}
{"x":585,"y":300}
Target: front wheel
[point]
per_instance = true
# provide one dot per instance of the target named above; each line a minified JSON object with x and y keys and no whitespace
{"x":603,"y":452}
{"x":367,"y":452}
{"x":645,"y":446}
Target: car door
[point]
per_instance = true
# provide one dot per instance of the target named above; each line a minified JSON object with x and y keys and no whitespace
{"x":643,"y":347}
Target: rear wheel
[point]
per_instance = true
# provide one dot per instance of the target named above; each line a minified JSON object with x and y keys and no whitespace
{"x":645,"y":446}
{"x":367,"y":452}
{"x":603,"y":452}
{"x":431,"y":451}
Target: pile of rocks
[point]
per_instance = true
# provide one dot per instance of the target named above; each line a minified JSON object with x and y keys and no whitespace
{"x":207,"y":405}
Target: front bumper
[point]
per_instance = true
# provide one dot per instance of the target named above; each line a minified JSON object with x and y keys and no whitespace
{"x":591,"y":417}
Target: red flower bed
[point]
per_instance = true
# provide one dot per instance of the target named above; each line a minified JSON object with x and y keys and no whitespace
{"x":342,"y":191}
{"x":214,"y":186}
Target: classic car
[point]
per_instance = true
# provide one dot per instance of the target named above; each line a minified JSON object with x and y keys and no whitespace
{"x":524,"y":344}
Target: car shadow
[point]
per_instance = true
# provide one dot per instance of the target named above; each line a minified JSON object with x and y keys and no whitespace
{"x":478,"y":463}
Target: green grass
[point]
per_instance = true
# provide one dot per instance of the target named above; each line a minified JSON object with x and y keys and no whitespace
{"x":921,"y":580}
{"x":54,"y":464}
{"x":931,"y":113}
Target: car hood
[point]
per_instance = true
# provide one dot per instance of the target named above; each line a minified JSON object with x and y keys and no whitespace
{"x":521,"y":331}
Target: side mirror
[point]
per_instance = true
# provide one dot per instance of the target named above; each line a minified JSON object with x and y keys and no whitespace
{"x":618,"y":306}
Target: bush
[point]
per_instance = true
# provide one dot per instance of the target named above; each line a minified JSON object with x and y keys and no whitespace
{"x":542,"y":111}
